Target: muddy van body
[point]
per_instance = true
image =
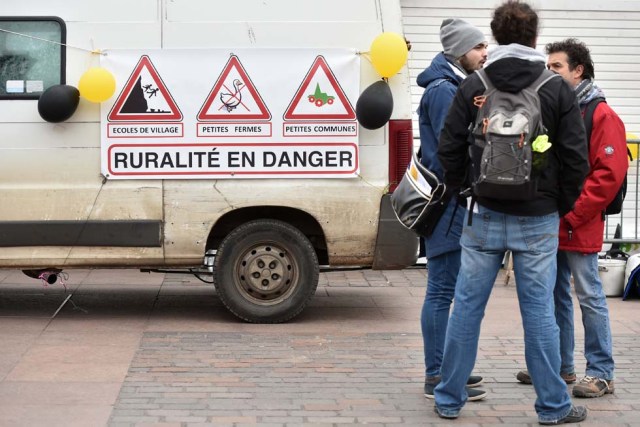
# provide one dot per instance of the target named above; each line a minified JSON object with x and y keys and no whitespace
{"x":76,"y":194}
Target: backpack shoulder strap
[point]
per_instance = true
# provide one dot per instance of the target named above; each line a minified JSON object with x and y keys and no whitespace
{"x":437,"y":82}
{"x":485,"y":79}
{"x":589,"y":110}
{"x":542,"y":79}
{"x":432,"y":84}
{"x":588,"y":116}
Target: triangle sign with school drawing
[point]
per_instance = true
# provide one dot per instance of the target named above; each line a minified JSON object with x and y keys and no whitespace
{"x":145,"y":97}
{"x":320,"y":96}
{"x":234,"y":97}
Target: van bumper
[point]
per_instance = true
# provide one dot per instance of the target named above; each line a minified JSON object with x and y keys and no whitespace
{"x":396,"y":246}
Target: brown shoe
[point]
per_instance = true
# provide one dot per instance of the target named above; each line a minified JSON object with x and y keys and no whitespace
{"x":525,"y":378}
{"x":593,"y":387}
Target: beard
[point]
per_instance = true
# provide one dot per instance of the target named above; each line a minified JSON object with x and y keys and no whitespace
{"x":468,"y":65}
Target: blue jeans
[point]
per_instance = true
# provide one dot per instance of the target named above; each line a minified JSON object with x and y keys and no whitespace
{"x":598,"y":349}
{"x":533,"y":241}
{"x":441,"y":284}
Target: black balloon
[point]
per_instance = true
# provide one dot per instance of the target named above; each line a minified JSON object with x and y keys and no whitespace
{"x":58,"y":103}
{"x":375,"y":105}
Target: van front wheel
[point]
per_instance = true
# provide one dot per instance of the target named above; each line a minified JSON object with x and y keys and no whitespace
{"x":266,"y":271}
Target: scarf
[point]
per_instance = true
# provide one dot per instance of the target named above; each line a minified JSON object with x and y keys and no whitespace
{"x":586,"y":91}
{"x":514,"y":50}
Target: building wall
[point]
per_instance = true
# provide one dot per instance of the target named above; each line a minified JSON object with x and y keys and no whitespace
{"x":611,"y":30}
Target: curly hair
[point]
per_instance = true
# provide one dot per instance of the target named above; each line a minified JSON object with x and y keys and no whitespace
{"x":577,"y":54}
{"x":515,"y":22}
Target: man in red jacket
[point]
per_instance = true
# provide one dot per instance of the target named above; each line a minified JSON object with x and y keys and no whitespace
{"x":581,"y":230}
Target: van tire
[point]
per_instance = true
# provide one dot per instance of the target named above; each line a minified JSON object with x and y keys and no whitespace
{"x":266,"y":271}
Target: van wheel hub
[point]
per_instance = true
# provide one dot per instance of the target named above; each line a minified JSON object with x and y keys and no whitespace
{"x":266,"y":273}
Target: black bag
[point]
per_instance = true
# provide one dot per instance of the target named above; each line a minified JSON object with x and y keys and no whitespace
{"x":419,"y":200}
{"x":615,"y":207}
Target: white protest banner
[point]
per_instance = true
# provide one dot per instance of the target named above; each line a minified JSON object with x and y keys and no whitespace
{"x":246,"y":113}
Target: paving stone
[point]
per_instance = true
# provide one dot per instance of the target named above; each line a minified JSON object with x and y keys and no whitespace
{"x":329,"y":384}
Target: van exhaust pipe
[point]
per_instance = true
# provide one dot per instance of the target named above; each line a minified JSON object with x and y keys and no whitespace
{"x":48,"y":276}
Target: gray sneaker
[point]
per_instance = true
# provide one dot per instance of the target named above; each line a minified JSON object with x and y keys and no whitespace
{"x":472,"y":393}
{"x":474,"y":381}
{"x":576,"y":415}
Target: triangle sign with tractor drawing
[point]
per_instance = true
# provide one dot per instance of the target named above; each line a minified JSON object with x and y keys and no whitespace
{"x":320,"y":96}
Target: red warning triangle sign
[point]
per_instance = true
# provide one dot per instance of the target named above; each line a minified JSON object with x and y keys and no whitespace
{"x":145,"y":97}
{"x":320,"y":96}
{"x":234,"y":97}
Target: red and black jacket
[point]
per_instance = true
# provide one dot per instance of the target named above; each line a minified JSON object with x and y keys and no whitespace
{"x":581,"y":230}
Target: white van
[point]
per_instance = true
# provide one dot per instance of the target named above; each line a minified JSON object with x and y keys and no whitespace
{"x":75,"y":195}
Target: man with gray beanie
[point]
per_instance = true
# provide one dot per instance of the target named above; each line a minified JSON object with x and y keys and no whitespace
{"x":464,"y":51}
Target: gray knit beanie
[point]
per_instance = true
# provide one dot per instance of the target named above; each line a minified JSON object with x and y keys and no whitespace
{"x":459,"y":37}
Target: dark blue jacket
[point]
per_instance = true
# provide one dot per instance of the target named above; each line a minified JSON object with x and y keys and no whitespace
{"x":440,"y":83}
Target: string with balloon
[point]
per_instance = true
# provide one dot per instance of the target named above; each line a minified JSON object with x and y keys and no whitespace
{"x":59,"y":102}
{"x":388,"y":54}
{"x":375,"y":105}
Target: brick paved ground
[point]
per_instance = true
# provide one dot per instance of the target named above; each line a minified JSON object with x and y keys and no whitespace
{"x":370,"y":378}
{"x":135,"y":349}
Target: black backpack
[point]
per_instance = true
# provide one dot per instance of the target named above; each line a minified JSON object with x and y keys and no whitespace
{"x":615,"y":207}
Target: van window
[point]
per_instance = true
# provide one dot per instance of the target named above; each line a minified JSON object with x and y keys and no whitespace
{"x":29,"y":61}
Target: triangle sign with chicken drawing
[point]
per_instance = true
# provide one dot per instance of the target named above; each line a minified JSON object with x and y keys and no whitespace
{"x":234,"y":97}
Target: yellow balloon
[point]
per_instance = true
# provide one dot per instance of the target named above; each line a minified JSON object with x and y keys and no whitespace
{"x":97,"y":84}
{"x":388,"y":53}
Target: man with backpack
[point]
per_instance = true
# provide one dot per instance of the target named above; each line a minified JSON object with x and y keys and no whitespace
{"x":540,"y":167}
{"x":464,"y":51}
{"x":581,"y":230}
